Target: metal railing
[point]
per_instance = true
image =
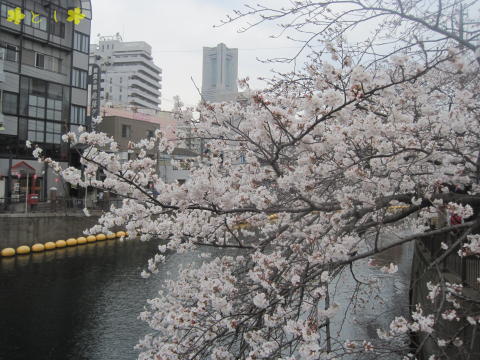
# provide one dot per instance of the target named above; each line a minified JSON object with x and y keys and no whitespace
{"x":467,"y":268}
{"x":59,"y":205}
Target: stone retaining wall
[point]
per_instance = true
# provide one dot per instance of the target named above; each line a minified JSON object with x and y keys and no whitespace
{"x":20,"y":229}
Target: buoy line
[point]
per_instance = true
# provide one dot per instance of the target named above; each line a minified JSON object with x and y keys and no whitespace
{"x":60,"y":244}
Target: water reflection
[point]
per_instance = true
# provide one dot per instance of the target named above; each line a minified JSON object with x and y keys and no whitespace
{"x":374,"y":306}
{"x":75,"y":303}
{"x":83,"y":302}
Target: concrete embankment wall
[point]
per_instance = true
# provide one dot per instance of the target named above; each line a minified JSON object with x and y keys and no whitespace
{"x":19,"y":229}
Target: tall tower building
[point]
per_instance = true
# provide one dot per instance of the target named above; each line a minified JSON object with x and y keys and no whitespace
{"x":220,"y":73}
{"x":129,"y":76}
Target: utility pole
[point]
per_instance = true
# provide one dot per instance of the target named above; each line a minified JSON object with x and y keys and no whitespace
{"x":8,"y":184}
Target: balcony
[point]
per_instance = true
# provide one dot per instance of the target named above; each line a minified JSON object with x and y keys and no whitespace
{"x":147,"y":88}
{"x":143,"y":63}
{"x":138,"y":93}
{"x":139,"y":76}
{"x":139,"y":102}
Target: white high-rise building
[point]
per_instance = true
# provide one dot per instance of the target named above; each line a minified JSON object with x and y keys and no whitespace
{"x":128,"y":75}
{"x":220,"y":73}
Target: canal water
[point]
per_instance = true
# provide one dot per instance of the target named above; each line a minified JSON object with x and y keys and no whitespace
{"x":83,"y":302}
{"x":75,"y":303}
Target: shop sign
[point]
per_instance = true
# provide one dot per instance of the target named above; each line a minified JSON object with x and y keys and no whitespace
{"x":16,"y":16}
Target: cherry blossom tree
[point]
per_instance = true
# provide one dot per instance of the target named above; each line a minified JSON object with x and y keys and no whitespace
{"x":372,"y":140}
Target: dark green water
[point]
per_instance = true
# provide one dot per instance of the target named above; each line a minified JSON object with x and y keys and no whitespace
{"x":82,"y":303}
{"x":76,"y":303}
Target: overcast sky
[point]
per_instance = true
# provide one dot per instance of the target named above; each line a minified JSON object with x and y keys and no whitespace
{"x":177,"y":31}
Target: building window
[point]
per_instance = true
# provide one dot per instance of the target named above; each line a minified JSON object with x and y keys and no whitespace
{"x":54,"y":109}
{"x":9,"y":103}
{"x":36,"y":131}
{"x":11,"y":53}
{"x":53,"y":133}
{"x":36,"y":106}
{"x":47,"y":62}
{"x":57,"y":29}
{"x":79,"y":78}
{"x":40,"y":99}
{"x":150,"y":133}
{"x":38,"y":22}
{"x":81,"y":42}
{"x":126,"y":131}
{"x":78,"y":115}
{"x":39,"y":61}
{"x":56,"y":65}
{"x":3,"y":10}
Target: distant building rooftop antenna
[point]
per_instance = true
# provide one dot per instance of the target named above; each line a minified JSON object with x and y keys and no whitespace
{"x":116,"y":37}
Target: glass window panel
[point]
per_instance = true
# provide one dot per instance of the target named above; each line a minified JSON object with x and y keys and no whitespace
{"x":49,"y":138}
{"x":50,"y":114}
{"x":38,"y":87}
{"x":32,"y":100}
{"x":28,"y":20}
{"x":11,"y":52}
{"x":55,"y":91}
{"x":58,"y":105}
{"x":10,"y":103}
{"x":58,"y":128}
{"x":50,"y":103}
{"x":57,"y":139}
{"x":31,"y":135}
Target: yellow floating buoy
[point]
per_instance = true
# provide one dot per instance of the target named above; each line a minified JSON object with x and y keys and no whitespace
{"x":273,"y":217}
{"x":7,"y":252}
{"x":111,"y":236}
{"x":81,"y":240}
{"x":91,"y":238}
{"x":126,"y":233}
{"x":22,"y":250}
{"x":101,"y":237}
{"x":60,"y":243}
{"x":72,"y":242}
{"x":38,"y":248}
{"x":50,"y":245}
{"x":120,"y":234}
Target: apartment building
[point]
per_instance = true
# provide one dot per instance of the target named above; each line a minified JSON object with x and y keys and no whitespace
{"x":44,"y":55}
{"x":129,"y":77}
